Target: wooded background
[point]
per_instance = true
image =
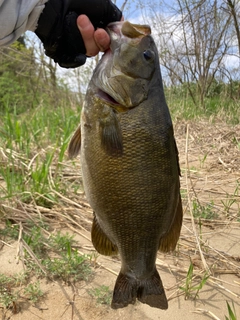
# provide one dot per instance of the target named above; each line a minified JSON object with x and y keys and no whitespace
{"x":199,"y":52}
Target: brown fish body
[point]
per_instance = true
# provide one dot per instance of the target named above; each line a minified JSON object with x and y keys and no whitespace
{"x":130,"y":166}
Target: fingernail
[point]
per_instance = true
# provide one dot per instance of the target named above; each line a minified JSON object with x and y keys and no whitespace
{"x":83,"y":21}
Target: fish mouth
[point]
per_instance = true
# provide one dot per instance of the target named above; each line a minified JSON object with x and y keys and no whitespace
{"x":103,"y":95}
{"x":111,"y":102}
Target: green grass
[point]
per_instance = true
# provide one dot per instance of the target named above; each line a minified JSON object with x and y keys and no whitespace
{"x":216,"y":107}
{"x":192,"y":286}
{"x":34,"y":144}
{"x":231,"y":200}
{"x":231,"y":312}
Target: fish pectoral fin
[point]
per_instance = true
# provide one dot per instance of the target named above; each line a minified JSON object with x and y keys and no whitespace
{"x":75,"y":144}
{"x":150,"y":291}
{"x":169,"y":241}
{"x":111,"y":133}
{"x":101,"y":241}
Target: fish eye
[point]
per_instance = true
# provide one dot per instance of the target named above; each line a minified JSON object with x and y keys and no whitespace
{"x":148,"y":55}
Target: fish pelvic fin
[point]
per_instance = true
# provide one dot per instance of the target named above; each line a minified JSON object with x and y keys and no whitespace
{"x":169,"y":241}
{"x":100,"y":240}
{"x":150,"y":291}
{"x":75,"y":144}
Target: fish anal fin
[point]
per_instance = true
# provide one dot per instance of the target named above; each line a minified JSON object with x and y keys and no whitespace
{"x":169,"y":241}
{"x":75,"y":144}
{"x":128,"y":289}
{"x":110,"y":132}
{"x":100,"y":240}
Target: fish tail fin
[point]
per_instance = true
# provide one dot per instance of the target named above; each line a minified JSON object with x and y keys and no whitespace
{"x":128,"y":289}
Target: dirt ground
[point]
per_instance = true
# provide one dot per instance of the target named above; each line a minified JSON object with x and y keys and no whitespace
{"x":210,"y":164}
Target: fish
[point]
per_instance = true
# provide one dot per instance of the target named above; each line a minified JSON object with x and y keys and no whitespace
{"x":130,"y":163}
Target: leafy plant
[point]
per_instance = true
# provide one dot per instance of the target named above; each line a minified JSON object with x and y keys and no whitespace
{"x":8,"y":297}
{"x":101,"y":294}
{"x":11,"y":291}
{"x":56,"y":256}
{"x":204,"y":212}
{"x":10,"y":230}
{"x":33,"y":292}
{"x":62,"y":242}
{"x":73,"y":267}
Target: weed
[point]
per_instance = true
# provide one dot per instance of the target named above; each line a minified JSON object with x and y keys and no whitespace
{"x":33,"y":292}
{"x":11,"y":291}
{"x":62,"y":242}
{"x":56,"y":256}
{"x":35,"y":240}
{"x":9,"y":296}
{"x":231,"y":199}
{"x":190,"y":289}
{"x":68,"y":267}
{"x":204,"y":212}
{"x":231,"y":312}
{"x":183,"y":193}
{"x":54,"y":253}
{"x":101,"y":294}
{"x":10,"y":230}
{"x":202,"y":160}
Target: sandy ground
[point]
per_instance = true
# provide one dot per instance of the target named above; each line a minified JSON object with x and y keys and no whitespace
{"x":210,"y":181}
{"x":74,"y":302}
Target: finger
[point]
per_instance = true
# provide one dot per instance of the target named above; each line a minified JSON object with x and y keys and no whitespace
{"x":102,"y":39}
{"x":87,"y":31}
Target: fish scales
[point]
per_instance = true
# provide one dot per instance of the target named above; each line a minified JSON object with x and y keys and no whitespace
{"x":130,"y":169}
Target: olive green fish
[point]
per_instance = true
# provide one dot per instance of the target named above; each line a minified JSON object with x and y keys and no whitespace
{"x":130,"y":163}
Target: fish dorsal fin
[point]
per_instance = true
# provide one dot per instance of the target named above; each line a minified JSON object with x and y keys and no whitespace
{"x":75,"y":144}
{"x":134,"y":30}
{"x":100,"y":241}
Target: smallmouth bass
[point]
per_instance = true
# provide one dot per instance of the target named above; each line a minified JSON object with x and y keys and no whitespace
{"x":130,"y":163}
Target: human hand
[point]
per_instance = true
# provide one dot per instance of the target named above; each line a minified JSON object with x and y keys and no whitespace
{"x":94,"y":40}
{"x":60,"y":23}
